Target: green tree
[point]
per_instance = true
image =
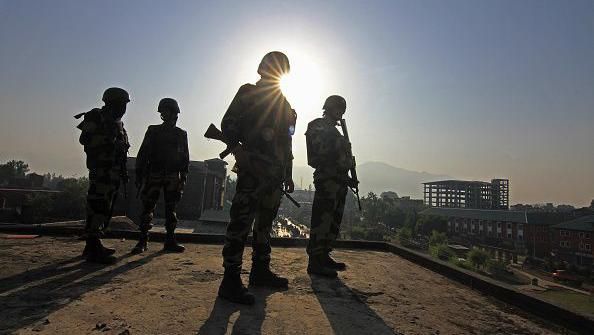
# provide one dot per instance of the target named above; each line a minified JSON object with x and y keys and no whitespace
{"x":426,"y":224}
{"x":405,"y":236}
{"x":13,"y":169}
{"x":442,"y":252}
{"x":478,"y":258}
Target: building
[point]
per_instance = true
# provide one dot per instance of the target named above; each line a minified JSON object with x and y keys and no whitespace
{"x":467,"y":194}
{"x":496,"y":228}
{"x":572,"y":241}
{"x":204,"y":190}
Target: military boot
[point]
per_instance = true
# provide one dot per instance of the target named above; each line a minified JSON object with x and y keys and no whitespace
{"x":232,"y":289}
{"x":331,"y":263}
{"x":317,"y":266}
{"x":171,"y":244}
{"x":142,"y":244}
{"x":96,"y":253}
{"x":106,"y":250}
{"x":261,"y":275}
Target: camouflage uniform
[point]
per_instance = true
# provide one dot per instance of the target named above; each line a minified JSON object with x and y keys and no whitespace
{"x":162,"y":162}
{"x":106,"y":145}
{"x":329,"y":154}
{"x":260,"y":118}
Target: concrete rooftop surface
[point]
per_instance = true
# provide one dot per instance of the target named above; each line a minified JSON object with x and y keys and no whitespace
{"x":46,"y":288}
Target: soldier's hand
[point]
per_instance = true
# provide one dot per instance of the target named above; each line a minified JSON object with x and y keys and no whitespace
{"x":183,"y":179}
{"x":352,"y":183}
{"x":289,"y":186}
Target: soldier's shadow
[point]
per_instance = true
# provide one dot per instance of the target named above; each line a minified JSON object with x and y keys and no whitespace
{"x":25,"y":304}
{"x":347,"y":313}
{"x":245,"y":319}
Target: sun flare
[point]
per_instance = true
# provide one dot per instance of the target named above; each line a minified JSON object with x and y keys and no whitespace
{"x":304,"y":86}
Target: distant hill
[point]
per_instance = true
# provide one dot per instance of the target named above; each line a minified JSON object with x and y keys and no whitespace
{"x":379,"y":177}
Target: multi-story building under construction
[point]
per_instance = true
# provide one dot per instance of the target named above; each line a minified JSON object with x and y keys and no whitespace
{"x":467,"y":194}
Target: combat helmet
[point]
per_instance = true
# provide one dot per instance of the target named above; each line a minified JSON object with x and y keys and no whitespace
{"x":334,"y":101}
{"x":169,"y":104}
{"x":274,"y":64}
{"x":115,"y":94}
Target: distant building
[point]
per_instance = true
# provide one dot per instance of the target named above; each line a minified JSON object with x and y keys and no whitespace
{"x":467,"y":194}
{"x":573,"y":240}
{"x":204,"y":190}
{"x":497,"y":228}
{"x":401,"y":202}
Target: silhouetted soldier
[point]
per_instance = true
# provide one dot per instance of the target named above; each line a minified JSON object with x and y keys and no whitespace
{"x":329,"y":153}
{"x":262,"y":120}
{"x":162,"y":163}
{"x":106,"y":145}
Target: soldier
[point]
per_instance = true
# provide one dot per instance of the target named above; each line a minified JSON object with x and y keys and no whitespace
{"x":162,"y":163}
{"x":329,"y":153}
{"x":106,"y":145}
{"x":258,"y":124}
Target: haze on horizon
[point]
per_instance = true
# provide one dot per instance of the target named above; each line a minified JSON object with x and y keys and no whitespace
{"x":474,"y":90}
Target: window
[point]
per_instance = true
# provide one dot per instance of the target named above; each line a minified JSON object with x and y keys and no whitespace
{"x":587,"y":236}
{"x":587,"y":246}
{"x":581,"y":235}
{"x":564,"y":244}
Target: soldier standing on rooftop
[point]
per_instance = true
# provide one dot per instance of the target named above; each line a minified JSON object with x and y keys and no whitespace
{"x":329,"y":153}
{"x":106,"y":145}
{"x":162,"y":163}
{"x":259,"y":124}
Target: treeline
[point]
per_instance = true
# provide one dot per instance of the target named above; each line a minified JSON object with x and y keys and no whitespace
{"x":67,"y":204}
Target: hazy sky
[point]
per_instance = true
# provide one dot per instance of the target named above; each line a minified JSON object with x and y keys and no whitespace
{"x":471,"y":89}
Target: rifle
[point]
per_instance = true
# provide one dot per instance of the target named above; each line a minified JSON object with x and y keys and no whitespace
{"x":353,"y":170}
{"x":214,"y":133}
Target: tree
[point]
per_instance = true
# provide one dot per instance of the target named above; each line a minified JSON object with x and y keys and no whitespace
{"x":592,"y":204}
{"x":13,"y":169}
{"x":405,"y":236}
{"x":478,"y":258}
{"x":428,"y":223}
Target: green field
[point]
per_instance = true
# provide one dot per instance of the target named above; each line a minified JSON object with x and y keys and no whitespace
{"x":572,"y":300}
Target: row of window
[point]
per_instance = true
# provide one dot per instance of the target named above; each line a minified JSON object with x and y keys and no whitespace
{"x":581,"y":235}
{"x":582,"y":246}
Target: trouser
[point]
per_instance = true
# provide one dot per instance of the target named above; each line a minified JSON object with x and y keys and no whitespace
{"x":326,"y":216}
{"x":103,"y":186}
{"x":247,"y":208}
{"x":172,"y":187}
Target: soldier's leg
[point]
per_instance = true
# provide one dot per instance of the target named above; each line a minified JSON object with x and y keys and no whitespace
{"x":243,"y":209}
{"x":99,"y":200}
{"x":335,"y":228}
{"x":172,"y":195}
{"x":261,"y":275}
{"x":322,"y":221}
{"x":149,"y":198}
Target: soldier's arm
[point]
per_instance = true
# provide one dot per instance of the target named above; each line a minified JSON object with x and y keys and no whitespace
{"x":185,"y":157}
{"x":231,"y":123}
{"x":143,"y":154}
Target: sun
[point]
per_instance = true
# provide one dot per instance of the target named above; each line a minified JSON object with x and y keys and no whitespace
{"x":304,"y":86}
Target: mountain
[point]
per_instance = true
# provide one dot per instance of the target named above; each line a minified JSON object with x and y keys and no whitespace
{"x":379,"y":177}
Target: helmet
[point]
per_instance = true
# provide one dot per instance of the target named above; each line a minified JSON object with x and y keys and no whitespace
{"x":334,"y":101}
{"x":115,"y":94}
{"x":274,"y":64}
{"x":168,"y":103}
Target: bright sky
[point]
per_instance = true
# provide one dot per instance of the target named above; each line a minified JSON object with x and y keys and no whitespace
{"x":471,"y":89}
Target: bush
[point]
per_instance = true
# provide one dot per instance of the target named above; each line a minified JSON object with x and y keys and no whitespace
{"x":463,"y":264}
{"x":442,"y":252}
{"x":405,"y":236}
{"x":478,"y":258}
{"x":438,"y":238}
{"x":495,"y":268}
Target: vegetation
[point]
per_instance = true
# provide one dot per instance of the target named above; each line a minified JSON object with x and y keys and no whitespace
{"x":478,"y":258}
{"x":13,"y":169}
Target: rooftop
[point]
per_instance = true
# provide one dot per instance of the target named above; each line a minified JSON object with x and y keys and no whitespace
{"x":479,"y":214}
{"x":585,"y":223}
{"x":457,"y":182}
{"x":45,"y":288}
